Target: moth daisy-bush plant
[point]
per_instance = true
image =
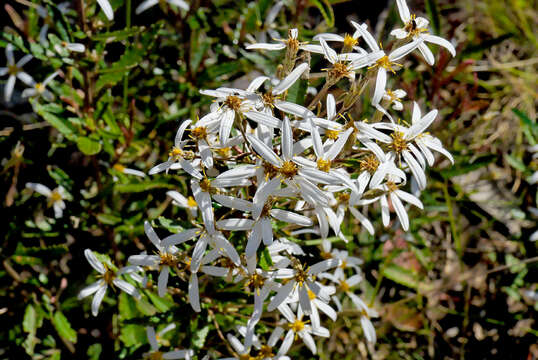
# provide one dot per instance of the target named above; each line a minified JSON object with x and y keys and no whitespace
{"x":268,"y":169}
{"x":288,"y":171}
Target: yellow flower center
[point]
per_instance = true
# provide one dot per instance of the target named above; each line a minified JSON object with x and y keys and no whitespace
{"x":55,"y":196}
{"x":233,"y":102}
{"x":205,"y":185}
{"x":343,"y":197}
{"x":398,"y":142}
{"x":266,"y":351}
{"x":297,"y":325}
{"x":199,"y":132}
{"x":311,"y":295}
{"x":108,"y":276}
{"x":370,"y":164}
{"x":223,"y":152}
{"x":386,"y":63}
{"x":338,"y":71}
{"x":157,"y":355}
{"x":191,"y":202}
{"x":392,"y":186}
{"x":175,"y":153}
{"x":349,"y":41}
{"x":288,"y":169}
{"x":301,"y":276}
{"x":168,"y":260}
{"x":255,"y":281}
{"x":39,"y":87}
{"x":344,"y":285}
{"x":267,"y":207}
{"x":269,"y":99}
{"x":332,"y":134}
{"x":12,"y":69}
{"x":412,"y":29}
{"x":119,"y":167}
{"x":324,"y":165}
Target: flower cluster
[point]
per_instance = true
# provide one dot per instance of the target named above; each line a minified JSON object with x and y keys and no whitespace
{"x":268,"y":172}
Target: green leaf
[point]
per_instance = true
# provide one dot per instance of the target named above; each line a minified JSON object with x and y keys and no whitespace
{"x":265,"y":259}
{"x":324,"y":6}
{"x":405,"y":277}
{"x":127,"y":307}
{"x":515,"y":163}
{"x":63,"y":327}
{"x":297,"y":92}
{"x":94,"y":351}
{"x":29,"y":323}
{"x":133,"y":335}
{"x":464,"y":165}
{"x":108,"y":219}
{"x":88,"y":146}
{"x":63,"y":126}
{"x":141,"y":187}
{"x":118,"y":35}
{"x":161,"y":303}
{"x":200,"y":336}
{"x":433,"y":15}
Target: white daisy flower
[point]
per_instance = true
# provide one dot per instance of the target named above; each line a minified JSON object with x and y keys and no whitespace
{"x":302,"y":278}
{"x":300,"y":179}
{"x":417,"y":28}
{"x":272,"y":98}
{"x":109,"y":277}
{"x":146,"y":4}
{"x":298,"y":327}
{"x":233,"y":102}
{"x":55,"y":197}
{"x":393,"y":98}
{"x":177,"y":157}
{"x":396,"y":197}
{"x":166,"y":256}
{"x":403,"y":139}
{"x":260,"y":228}
{"x":15,"y":71}
{"x":383,"y":62}
{"x":39,"y":89}
{"x":262,"y":351}
{"x":156,"y":354}
{"x":291,"y":44}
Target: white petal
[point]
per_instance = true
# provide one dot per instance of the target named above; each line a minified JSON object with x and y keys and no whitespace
{"x":289,"y":80}
{"x":90,"y":289}
{"x":294,"y":109}
{"x":417,"y":171}
{"x":405,"y":15}
{"x":380,"y":83}
{"x":144,"y":5}
{"x":291,"y":217}
{"x":97,"y":299}
{"x":281,"y":295}
{"x":107,"y":9}
{"x":440,"y":41}
{"x":323,"y":266}
{"x":180,"y":238}
{"x":265,"y":46}
{"x":287,"y":140}
{"x":194,"y":296}
{"x":409,"y":198}
{"x":264,"y":119}
{"x":92,"y":259}
{"x":40,"y":188}
{"x":426,"y":53}
{"x":128,"y":288}
{"x":162,"y":282}
{"x":235,"y":224}
{"x":264,"y":151}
